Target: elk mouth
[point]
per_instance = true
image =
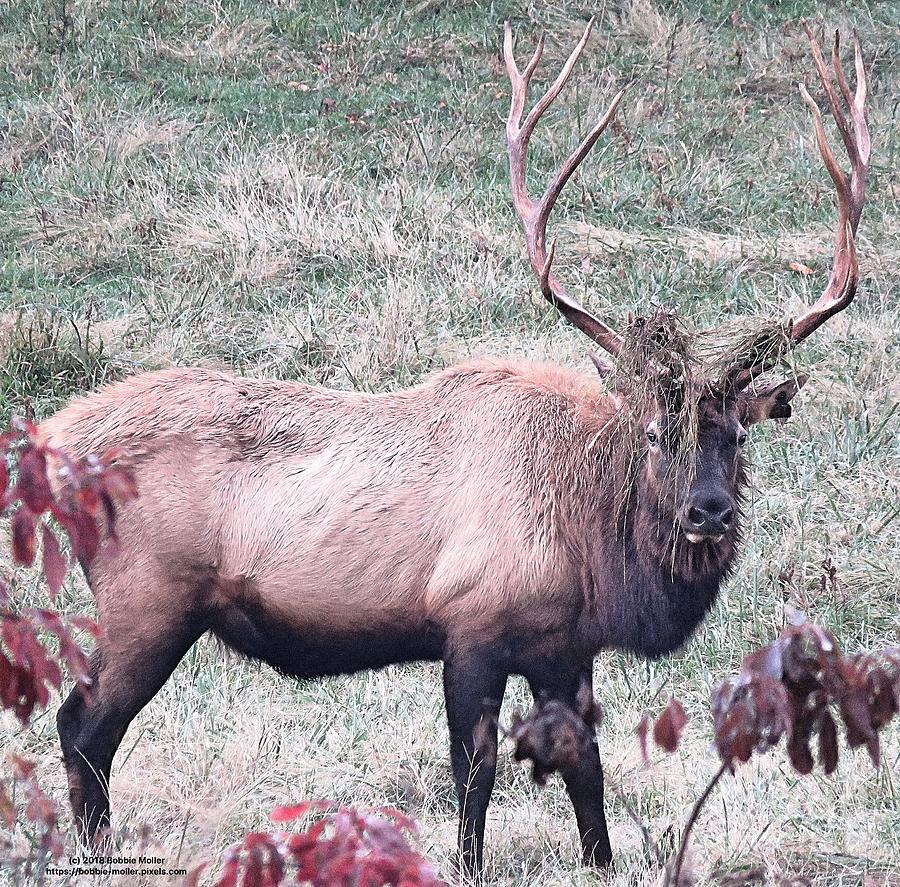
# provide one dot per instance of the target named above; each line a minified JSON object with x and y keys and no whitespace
{"x":696,"y":538}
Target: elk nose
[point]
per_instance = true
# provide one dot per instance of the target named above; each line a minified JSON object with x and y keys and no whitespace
{"x":711,"y":517}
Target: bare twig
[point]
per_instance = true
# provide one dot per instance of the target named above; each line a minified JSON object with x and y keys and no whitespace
{"x":675,"y":878}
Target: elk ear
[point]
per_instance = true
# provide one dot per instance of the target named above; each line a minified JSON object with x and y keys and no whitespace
{"x":772,"y":401}
{"x":601,"y":364}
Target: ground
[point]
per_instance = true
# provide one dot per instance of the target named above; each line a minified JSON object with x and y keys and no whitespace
{"x":318,"y":191}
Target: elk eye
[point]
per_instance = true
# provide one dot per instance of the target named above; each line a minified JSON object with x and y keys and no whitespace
{"x":652,"y":437}
{"x":742,"y":438}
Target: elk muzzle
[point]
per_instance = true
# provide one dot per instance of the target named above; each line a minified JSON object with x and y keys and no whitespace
{"x":707,"y":516}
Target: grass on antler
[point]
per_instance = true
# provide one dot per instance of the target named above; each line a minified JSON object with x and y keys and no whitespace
{"x":747,"y":343}
{"x":658,"y":369}
{"x":665,"y":366}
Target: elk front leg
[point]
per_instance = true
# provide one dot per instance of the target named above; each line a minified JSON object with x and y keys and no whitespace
{"x":473,"y":688}
{"x":584,"y":782}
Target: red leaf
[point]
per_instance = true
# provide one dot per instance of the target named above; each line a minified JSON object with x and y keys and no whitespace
{"x":253,"y":871}
{"x":22,"y":768}
{"x":882,"y":701}
{"x":85,"y":536}
{"x":229,"y":875}
{"x":86,"y":624}
{"x":828,"y":743}
{"x":256,"y":839}
{"x":798,"y":740}
{"x":54,"y":563}
{"x":87,"y":499}
{"x":23,"y":536}
{"x":400,"y":819}
{"x":300,"y":844}
{"x":641,"y":731}
{"x":855,"y":713}
{"x":119,"y":484}
{"x":289,"y":814}
{"x":109,"y":512}
{"x":33,"y":487}
{"x":669,"y":726}
{"x":193,"y":876}
{"x":4,"y":474}
{"x":69,"y":652}
{"x":274,"y":870}
{"x":7,"y":682}
{"x":766,"y":662}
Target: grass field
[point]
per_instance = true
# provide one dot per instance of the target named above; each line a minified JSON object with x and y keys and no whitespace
{"x":318,"y":191}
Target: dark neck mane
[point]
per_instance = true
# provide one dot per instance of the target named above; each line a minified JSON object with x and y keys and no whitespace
{"x":651,"y":588}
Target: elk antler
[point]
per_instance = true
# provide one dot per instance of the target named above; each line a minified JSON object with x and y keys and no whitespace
{"x":534,"y":214}
{"x":850,"y":197}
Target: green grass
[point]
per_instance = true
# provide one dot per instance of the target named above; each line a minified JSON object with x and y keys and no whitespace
{"x":318,"y":191}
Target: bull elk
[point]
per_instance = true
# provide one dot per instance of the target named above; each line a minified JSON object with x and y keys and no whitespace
{"x":503,"y":517}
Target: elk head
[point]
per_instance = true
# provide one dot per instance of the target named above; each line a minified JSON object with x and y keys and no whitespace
{"x":686,"y":417}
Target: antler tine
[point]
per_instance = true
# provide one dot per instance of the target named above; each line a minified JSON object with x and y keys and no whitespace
{"x":519,"y":80}
{"x":547,"y":99}
{"x":574,"y":159}
{"x":839,"y":69}
{"x":825,"y":78}
{"x":534,"y":215}
{"x":844,"y":278}
{"x":861,"y":129}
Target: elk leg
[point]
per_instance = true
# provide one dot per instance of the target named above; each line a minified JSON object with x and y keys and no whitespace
{"x":584,"y":782}
{"x":126,"y":674}
{"x":473,"y":689}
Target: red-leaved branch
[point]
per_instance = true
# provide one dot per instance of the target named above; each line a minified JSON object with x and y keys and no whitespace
{"x":368,"y":848}
{"x":82,"y":501}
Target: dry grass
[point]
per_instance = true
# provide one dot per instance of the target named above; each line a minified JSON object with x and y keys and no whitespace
{"x":665,"y":35}
{"x":224,"y":43}
{"x":318,"y":192}
{"x":713,"y":248}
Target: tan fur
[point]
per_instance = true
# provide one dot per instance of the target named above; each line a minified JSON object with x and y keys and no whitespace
{"x":447,"y":503}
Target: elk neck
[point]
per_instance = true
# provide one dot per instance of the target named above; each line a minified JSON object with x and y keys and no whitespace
{"x":648,"y":587}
